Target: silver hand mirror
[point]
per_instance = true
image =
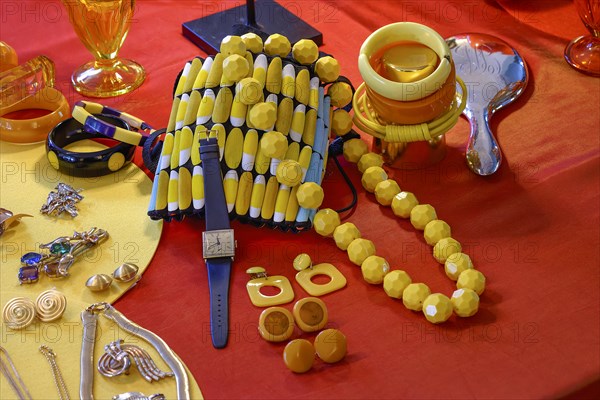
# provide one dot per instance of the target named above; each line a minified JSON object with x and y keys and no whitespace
{"x":495,"y":75}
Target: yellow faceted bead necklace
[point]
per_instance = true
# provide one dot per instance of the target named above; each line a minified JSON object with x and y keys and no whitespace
{"x":436,"y":307}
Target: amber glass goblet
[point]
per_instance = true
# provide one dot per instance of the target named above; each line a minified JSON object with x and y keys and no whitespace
{"x":102,"y":26}
{"x":583,"y":53}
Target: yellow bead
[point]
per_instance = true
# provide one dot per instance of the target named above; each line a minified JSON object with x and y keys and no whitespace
{"x":325,"y":222}
{"x":253,"y":42}
{"x":273,"y":144}
{"x":341,"y":122}
{"x":414,"y":295}
{"x":374,"y":269}
{"x":340,"y":93}
{"x":328,"y":69}
{"x":249,"y":91}
{"x":260,"y":70}
{"x":288,"y":82}
{"x":310,"y":195}
{"x":435,"y":231}
{"x":222,"y":108}
{"x":371,"y":177}
{"x":385,"y":191}
{"x":395,"y":282}
{"x":263,"y":116}
{"x":273,"y":82}
{"x":421,"y":215}
{"x":216,"y":72}
{"x":345,"y":234}
{"x":437,"y":308}
{"x":445,"y":248}
{"x":369,"y":160}
{"x":235,"y":67}
{"x":277,"y":45}
{"x":465,"y":302}
{"x":354,"y":149}
{"x":233,"y":45}
{"x":456,"y":264}
{"x":305,"y":51}
{"x":403,"y":203}
{"x":302,"y":90}
{"x":359,"y":249}
{"x":471,"y":279}
{"x":289,"y":173}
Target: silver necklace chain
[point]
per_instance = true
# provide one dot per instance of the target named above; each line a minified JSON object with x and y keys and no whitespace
{"x":61,"y":387}
{"x":12,"y":376}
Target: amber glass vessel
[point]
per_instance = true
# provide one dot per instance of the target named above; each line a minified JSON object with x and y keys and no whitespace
{"x":102,"y":27}
{"x":583,"y":53}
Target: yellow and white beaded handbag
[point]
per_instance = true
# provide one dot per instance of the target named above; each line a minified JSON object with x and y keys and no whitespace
{"x":268,"y":109}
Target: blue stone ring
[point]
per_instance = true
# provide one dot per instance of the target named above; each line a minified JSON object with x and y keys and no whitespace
{"x":59,"y":256}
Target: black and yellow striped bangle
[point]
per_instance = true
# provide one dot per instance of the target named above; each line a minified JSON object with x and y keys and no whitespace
{"x":84,"y":164}
{"x":136,"y":134}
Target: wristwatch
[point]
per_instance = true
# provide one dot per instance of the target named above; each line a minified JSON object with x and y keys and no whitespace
{"x":218,"y":243}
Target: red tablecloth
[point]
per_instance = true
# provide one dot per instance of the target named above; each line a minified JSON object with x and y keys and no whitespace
{"x":532,"y":228}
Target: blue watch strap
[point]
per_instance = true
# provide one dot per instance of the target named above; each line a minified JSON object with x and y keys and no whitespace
{"x":216,"y":217}
{"x":219,"y":270}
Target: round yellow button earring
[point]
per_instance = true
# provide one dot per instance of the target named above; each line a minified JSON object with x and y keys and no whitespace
{"x":299,"y":355}
{"x":276,"y":324}
{"x":310,"y":314}
{"x":307,"y":271}
{"x":331,"y":345}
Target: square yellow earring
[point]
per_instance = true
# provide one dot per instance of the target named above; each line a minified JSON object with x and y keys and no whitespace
{"x":306,"y":271}
{"x":260,"y":279}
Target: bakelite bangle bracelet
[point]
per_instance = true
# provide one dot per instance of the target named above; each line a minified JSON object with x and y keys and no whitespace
{"x":85,"y":164}
{"x":34,"y":129}
{"x":404,"y":31}
{"x":83,"y":111}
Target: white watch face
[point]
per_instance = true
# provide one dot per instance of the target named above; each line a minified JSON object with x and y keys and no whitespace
{"x":219,"y":243}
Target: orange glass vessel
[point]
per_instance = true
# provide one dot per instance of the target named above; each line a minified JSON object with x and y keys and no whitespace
{"x":583,"y":53}
{"x":102,"y":26}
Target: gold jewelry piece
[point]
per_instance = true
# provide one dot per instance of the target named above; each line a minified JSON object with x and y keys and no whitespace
{"x":64,"y":199}
{"x":12,"y":376}
{"x":7,"y":219}
{"x":310,"y":314}
{"x":260,"y":280}
{"x":63,"y":393}
{"x":307,"y":271}
{"x":18,"y":313}
{"x":50,"y":305}
{"x":276,"y":324}
{"x":126,"y":272}
{"x":117,"y":360}
{"x":98,"y":282}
